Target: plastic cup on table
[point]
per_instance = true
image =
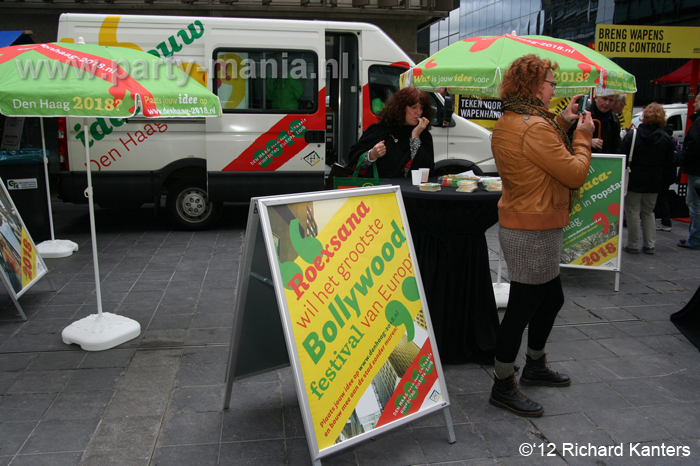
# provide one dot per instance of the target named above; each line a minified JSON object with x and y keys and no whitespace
{"x":425,"y":173}
{"x":416,"y":176}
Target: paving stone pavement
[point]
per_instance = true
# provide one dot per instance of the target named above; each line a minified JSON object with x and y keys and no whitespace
{"x":157,"y":400}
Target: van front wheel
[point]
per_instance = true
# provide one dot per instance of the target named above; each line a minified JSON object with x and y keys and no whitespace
{"x":189,"y":207}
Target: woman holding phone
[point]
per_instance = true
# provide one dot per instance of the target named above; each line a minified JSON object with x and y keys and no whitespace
{"x":542,"y":171}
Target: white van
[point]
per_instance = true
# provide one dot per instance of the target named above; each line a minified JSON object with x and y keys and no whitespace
{"x":295,"y":94}
{"x":676,"y":115}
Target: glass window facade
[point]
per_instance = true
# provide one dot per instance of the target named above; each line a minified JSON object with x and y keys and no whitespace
{"x":566,"y":19}
{"x":573,"y":20}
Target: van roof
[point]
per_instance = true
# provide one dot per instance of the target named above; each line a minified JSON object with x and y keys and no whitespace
{"x":293,"y":24}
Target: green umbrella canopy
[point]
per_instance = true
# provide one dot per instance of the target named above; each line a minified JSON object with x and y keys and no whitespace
{"x":476,"y":66}
{"x":85,"y":80}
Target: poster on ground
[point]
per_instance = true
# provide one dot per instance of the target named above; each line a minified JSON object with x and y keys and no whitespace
{"x":21,"y":265}
{"x":592,"y":238}
{"x":358,"y":333}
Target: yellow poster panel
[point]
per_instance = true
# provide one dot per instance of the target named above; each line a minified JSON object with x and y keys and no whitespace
{"x":602,"y":255}
{"x":29,"y":264}
{"x":352,"y":298}
{"x":647,"y":41}
{"x":20,"y":264}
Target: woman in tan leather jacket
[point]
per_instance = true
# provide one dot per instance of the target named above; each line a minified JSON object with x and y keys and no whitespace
{"x":541,"y":169}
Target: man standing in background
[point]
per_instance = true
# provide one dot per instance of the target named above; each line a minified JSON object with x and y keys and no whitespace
{"x":606,"y":137}
{"x":690,"y":164}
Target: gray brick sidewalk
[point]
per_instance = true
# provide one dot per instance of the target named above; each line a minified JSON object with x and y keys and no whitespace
{"x":157,"y":400}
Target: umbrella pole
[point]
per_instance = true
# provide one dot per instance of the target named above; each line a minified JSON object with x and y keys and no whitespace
{"x":500,"y":263}
{"x":53,"y":248}
{"x":501,"y":291}
{"x":98,"y":332}
{"x":91,"y":204}
{"x":46,"y":175}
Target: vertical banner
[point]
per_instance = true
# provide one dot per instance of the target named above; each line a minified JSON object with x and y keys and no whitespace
{"x":20,"y":264}
{"x":592,"y":238}
{"x":352,"y":304}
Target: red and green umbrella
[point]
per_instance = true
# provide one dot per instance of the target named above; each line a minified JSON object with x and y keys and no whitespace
{"x":93,"y":81}
{"x":85,"y":80}
{"x":476,"y":66}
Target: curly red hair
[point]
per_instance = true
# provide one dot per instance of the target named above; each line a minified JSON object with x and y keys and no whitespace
{"x":654,"y":115}
{"x":394,"y":114}
{"x":525,"y":76}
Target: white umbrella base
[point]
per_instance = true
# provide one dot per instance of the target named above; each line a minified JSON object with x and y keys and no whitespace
{"x":56,"y":248}
{"x":101,"y":332}
{"x":501,"y":291}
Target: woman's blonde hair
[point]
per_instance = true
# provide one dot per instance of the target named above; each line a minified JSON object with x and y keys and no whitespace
{"x":525,"y":77}
{"x":654,"y":115}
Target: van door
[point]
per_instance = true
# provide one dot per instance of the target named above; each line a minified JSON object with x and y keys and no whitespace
{"x":342,"y":95}
{"x":271,"y":137}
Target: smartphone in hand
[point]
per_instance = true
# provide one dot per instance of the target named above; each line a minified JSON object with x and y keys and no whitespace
{"x":582,"y":104}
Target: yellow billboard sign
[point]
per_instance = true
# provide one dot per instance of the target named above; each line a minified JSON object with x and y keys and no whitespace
{"x":647,"y":41}
{"x":353,"y":311}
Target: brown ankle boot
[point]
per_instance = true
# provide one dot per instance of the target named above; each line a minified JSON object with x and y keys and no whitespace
{"x":538,"y":372}
{"x":506,"y":395}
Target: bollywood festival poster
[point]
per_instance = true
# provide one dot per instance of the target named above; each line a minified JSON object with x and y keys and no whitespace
{"x":354,"y":308}
{"x":592,"y":238}
{"x":20,"y":263}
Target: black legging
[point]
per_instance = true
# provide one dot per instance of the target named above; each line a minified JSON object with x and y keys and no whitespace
{"x":537,"y":305}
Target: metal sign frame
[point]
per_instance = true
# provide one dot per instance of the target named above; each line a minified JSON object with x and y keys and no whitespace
{"x":12,"y":220}
{"x":253,"y":274}
{"x":618,"y":196}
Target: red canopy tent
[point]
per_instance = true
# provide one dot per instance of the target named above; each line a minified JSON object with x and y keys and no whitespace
{"x":680,"y":76}
{"x":688,"y":73}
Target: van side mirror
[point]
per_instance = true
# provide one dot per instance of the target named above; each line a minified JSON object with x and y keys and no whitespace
{"x":444,"y":116}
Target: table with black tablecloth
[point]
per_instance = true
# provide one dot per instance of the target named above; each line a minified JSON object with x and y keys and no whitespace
{"x":448,"y":230}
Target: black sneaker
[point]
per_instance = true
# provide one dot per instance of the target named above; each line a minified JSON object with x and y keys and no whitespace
{"x":648,"y":250}
{"x":630,"y":250}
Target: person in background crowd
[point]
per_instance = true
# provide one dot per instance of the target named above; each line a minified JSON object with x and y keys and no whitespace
{"x":663,"y":205}
{"x":652,"y":171}
{"x":620,"y":104}
{"x":400,"y":141}
{"x":606,"y":137}
{"x":690,"y":164}
{"x":542,"y":170}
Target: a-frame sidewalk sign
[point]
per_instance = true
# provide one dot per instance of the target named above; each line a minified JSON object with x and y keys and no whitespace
{"x":328,"y":285}
{"x":20,"y":264}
